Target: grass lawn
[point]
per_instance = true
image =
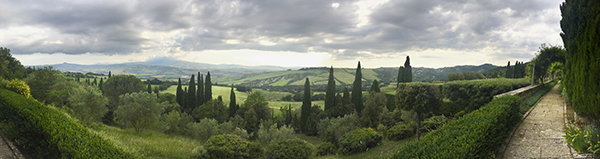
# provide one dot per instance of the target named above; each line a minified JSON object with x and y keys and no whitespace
{"x":149,"y":144}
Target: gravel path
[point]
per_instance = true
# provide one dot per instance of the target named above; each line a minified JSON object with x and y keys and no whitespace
{"x":540,"y":133}
{"x":6,"y":150}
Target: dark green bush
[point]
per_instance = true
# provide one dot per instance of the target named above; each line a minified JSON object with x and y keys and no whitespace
{"x":475,"y":135}
{"x":359,"y":140}
{"x":290,"y":148}
{"x":433,"y":123}
{"x":326,"y":148}
{"x":49,"y":133}
{"x":400,"y":131}
{"x":475,"y":93}
{"x":231,"y":146}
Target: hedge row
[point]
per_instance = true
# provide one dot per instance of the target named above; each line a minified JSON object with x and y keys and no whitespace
{"x":474,"y":93}
{"x":531,"y":100}
{"x":49,"y":133}
{"x":476,"y":135}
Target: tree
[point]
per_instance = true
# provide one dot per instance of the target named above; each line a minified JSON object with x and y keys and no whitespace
{"x":60,"y":92}
{"x":100,"y":84}
{"x":156,"y":92}
{"x":190,"y":103}
{"x":213,"y":109}
{"x":330,"y":92}
{"x":179,"y":93}
{"x":357,"y":90}
{"x":109,"y":75}
{"x":149,"y":90}
{"x":207,"y":88}
{"x":306,"y":102}
{"x":119,"y":85}
{"x":41,"y":81}
{"x":140,"y":109}
{"x":200,"y":90}
{"x":252,"y":121}
{"x":548,"y":54}
{"x":509,"y":72}
{"x":10,"y":68}
{"x":88,"y":103}
{"x":257,"y":102}
{"x":375,"y":87}
{"x":407,"y":71}
{"x":231,"y":146}
{"x":400,"y":75}
{"x":232,"y":104}
{"x":420,"y":98}
{"x":374,"y":106}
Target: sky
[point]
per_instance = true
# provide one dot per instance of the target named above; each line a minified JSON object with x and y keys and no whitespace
{"x":288,"y":33}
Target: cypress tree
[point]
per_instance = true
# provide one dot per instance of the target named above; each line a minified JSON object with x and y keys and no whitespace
{"x":305,"y":106}
{"x":375,"y":87}
{"x":156,"y":91}
{"x":357,"y":90}
{"x":78,"y":80}
{"x":330,"y":92}
{"x":191,"y":101}
{"x":407,"y":70}
{"x":207,"y":88}
{"x":100,"y":84}
{"x":200,"y":90}
{"x":95,"y":83}
{"x":179,"y":93}
{"x":508,"y":71}
{"x":232,"y":105}
{"x":400,"y":75}
{"x":149,"y":87}
{"x":109,"y":75}
{"x":346,"y":96}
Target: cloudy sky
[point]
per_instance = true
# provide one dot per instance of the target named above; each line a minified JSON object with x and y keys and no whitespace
{"x":379,"y":33}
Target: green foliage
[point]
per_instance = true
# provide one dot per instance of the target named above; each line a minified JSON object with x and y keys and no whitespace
{"x":326,"y":148}
{"x":374,"y":106}
{"x":10,"y":68}
{"x":200,"y":90}
{"x":475,"y":135}
{"x":400,"y":131}
{"x":290,"y":148}
{"x":174,"y":122}
{"x":213,"y":109}
{"x":306,"y":102}
{"x":332,"y":129}
{"x":359,"y":140}
{"x":583,"y":141}
{"x":434,"y":122}
{"x":465,"y":75}
{"x":60,"y":92}
{"x":271,"y":134}
{"x":257,"y":101}
{"x":330,"y":92}
{"x":41,"y":81}
{"x":531,"y":100}
{"x":357,"y":90}
{"x":233,"y":107}
{"x":88,"y":103}
{"x":420,"y":98}
{"x":579,"y":23}
{"x":207,"y":88}
{"x":18,"y":86}
{"x":475,"y":93}
{"x":231,"y":146}
{"x":203,"y":130}
{"x":139,"y":109}
{"x":118,"y":85}
{"x":191,"y":102}
{"x":48,"y":133}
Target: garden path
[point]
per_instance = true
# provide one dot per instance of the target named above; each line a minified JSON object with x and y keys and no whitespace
{"x":8,"y":150}
{"x":540,"y":134}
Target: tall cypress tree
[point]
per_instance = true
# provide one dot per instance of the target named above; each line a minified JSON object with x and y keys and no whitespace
{"x":232,"y":105}
{"x":375,"y":87}
{"x":156,"y":91}
{"x":109,"y":75}
{"x":207,"y":88}
{"x":346,"y":96}
{"x":305,"y":106}
{"x":95,"y":83}
{"x":357,"y":90}
{"x":407,"y":70}
{"x":400,"y":75}
{"x":100,"y":84}
{"x":191,"y":97}
{"x":200,"y":90}
{"x":149,"y":90}
{"x":330,"y":92}
{"x":508,"y":71}
{"x":179,"y":93}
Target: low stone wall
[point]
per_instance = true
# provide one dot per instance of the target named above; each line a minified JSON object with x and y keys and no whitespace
{"x":523,"y":92}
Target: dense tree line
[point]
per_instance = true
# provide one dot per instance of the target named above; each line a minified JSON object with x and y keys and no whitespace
{"x":580,"y":35}
{"x":465,"y":75}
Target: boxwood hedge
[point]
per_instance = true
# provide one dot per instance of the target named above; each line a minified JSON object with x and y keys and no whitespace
{"x":475,"y":93}
{"x":476,"y":135}
{"x":48,"y":133}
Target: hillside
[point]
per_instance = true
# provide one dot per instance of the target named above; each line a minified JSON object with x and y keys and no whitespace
{"x":343,"y":76}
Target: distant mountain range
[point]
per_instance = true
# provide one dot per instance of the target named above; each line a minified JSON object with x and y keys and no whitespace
{"x":257,"y":76}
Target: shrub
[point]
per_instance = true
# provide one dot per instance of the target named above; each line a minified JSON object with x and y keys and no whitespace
{"x":433,"y":123}
{"x":270,"y":134}
{"x":326,"y":148}
{"x":202,"y":130}
{"x":359,"y":140}
{"x":290,"y":148}
{"x":19,"y":87}
{"x":48,"y":133}
{"x":583,"y":141}
{"x":331,"y":130}
{"x":475,"y":93}
{"x":475,"y":135}
{"x":231,"y":146}
{"x":88,"y":103}
{"x":399,"y":132}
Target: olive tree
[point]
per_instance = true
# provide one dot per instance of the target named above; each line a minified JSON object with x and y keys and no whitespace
{"x":140,"y":109}
{"x":420,"y":98}
{"x":88,"y":103}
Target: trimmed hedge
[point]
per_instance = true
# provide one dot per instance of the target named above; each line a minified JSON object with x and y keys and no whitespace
{"x":531,"y":100}
{"x":49,"y":133}
{"x":475,"y":93}
{"x":476,"y":135}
